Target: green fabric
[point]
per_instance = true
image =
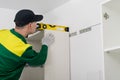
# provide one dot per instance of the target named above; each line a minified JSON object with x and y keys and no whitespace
{"x":18,"y":35}
{"x":11,"y":66}
{"x":33,"y":58}
{"x":18,"y":46}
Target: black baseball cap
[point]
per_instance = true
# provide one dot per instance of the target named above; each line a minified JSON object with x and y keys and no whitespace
{"x":25,"y":16}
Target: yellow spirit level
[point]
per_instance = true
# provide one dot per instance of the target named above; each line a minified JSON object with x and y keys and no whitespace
{"x":42,"y":26}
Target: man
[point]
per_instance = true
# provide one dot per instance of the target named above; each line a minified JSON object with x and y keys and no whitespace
{"x":15,"y":52}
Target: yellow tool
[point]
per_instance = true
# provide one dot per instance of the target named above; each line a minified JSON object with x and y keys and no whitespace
{"x":42,"y":26}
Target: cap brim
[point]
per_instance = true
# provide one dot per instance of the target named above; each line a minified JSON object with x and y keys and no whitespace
{"x":38,"y":17}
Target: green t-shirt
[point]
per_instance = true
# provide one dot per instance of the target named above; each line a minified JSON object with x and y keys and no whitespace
{"x":15,"y":52}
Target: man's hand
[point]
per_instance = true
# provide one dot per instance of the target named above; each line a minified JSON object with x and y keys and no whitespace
{"x":48,"y":39}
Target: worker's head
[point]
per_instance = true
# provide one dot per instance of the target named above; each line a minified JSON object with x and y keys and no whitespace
{"x":27,"y":17}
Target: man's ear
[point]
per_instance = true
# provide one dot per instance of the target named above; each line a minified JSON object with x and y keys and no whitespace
{"x":29,"y":25}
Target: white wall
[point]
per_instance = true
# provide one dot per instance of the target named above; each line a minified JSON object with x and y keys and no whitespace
{"x":86,"y":49}
{"x":6,"y":18}
{"x":75,"y":14}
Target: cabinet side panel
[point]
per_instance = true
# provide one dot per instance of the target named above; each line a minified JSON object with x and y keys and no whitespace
{"x":57,"y":65}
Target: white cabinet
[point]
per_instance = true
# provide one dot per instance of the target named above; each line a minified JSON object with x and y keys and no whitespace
{"x":57,"y":64}
{"x":86,"y":55}
{"x":111,"y":39}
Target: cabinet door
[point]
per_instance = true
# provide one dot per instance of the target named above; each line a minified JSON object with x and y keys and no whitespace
{"x":57,"y":64}
{"x":87,"y":55}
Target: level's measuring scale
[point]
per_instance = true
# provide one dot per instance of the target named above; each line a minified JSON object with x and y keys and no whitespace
{"x":42,"y":26}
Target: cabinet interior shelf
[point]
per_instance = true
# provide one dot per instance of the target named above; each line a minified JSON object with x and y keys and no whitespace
{"x":112,"y":50}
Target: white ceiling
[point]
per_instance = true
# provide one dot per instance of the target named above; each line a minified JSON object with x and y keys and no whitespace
{"x":40,"y":6}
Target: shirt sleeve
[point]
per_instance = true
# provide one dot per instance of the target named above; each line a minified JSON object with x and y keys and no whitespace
{"x":34,"y":58}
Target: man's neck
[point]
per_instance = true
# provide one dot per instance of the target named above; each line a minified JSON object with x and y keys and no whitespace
{"x":21,"y":31}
